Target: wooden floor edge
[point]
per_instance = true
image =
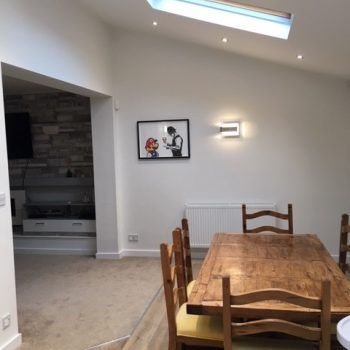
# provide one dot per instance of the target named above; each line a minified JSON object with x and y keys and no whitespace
{"x":152,"y":327}
{"x":138,"y":332}
{"x":116,"y":344}
{"x":148,"y":307}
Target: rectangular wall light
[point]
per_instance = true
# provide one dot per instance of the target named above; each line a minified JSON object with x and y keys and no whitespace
{"x":230,"y":14}
{"x":230,"y":129}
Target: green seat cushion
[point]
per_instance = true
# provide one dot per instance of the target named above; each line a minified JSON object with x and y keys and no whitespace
{"x":198,"y":326}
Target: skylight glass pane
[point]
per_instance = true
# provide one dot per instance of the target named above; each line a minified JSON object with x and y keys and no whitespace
{"x":229,"y":14}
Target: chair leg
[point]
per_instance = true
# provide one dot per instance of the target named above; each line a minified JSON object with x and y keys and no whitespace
{"x":172,"y":344}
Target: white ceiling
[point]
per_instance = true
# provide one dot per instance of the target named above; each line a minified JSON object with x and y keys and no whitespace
{"x":321,"y":31}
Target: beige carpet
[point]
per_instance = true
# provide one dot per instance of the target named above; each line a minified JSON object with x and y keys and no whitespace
{"x":73,"y":303}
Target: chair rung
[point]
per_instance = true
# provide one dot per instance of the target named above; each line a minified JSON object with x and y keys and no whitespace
{"x":269,"y":213}
{"x":266,"y":212}
{"x":283,"y":295}
{"x":345,"y":229}
{"x":267,"y":229}
{"x":345,"y":248}
{"x":276,"y":325}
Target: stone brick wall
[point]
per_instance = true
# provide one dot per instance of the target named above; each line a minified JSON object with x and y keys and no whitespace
{"x":61,"y":134}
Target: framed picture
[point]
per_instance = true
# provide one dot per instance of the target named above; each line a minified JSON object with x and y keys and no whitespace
{"x":163,"y":139}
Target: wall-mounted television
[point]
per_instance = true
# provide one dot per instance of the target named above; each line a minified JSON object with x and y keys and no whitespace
{"x":18,"y":136}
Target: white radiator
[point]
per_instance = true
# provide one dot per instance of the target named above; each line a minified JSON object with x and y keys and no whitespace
{"x":205,"y":220}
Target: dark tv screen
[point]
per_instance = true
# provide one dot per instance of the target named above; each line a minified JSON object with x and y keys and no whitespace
{"x":18,"y":136}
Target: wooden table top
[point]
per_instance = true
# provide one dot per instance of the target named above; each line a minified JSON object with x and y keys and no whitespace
{"x":296,"y":262}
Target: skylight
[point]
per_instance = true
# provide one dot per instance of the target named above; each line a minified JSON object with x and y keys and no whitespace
{"x":230,"y":14}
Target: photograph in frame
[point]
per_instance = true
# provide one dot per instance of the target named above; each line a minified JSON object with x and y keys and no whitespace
{"x":163,"y":139}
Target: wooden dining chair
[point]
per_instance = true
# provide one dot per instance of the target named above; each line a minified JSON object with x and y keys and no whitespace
{"x":179,"y":262}
{"x":249,"y":216}
{"x":185,"y":329}
{"x":344,"y":246}
{"x":234,"y":332}
{"x":187,"y":251}
{"x":187,"y":256}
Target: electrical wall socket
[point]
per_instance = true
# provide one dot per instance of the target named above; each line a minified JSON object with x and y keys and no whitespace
{"x":133,"y":238}
{"x":6,"y":321}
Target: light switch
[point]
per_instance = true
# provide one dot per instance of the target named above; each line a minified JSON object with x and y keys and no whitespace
{"x":2,"y":198}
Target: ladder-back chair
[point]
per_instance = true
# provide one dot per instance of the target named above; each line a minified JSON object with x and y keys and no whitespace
{"x":235,"y":332}
{"x":344,"y":246}
{"x":187,"y":256}
{"x":193,"y":330}
{"x":249,"y":216}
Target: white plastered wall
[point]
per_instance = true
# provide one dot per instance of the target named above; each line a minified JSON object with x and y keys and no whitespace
{"x":9,"y":338}
{"x":103,"y":130}
{"x":294,"y":149}
{"x":56,"y":39}
{"x":65,"y":47}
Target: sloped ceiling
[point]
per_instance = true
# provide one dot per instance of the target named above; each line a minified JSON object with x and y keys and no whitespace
{"x":321,"y":31}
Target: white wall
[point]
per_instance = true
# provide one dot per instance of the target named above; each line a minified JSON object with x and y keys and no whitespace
{"x":103,"y":129}
{"x":54,"y":39}
{"x":57,"y":39}
{"x":7,"y":272}
{"x":295,"y":147}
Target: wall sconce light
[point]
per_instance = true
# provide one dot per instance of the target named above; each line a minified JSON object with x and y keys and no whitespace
{"x":230,"y":129}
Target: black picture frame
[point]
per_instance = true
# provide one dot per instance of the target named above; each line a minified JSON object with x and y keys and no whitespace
{"x":163,"y":139}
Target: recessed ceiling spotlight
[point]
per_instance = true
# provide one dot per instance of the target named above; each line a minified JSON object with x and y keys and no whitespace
{"x":300,"y":57}
{"x":224,"y":40}
{"x":154,"y":23}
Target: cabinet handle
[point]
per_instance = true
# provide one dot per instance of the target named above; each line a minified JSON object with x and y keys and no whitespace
{"x":77,"y":223}
{"x":40,"y":223}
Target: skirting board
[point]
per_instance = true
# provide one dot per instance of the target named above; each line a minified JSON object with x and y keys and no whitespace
{"x":55,"y":245}
{"x":197,"y":253}
{"x":140,"y":253}
{"x":109,"y":255}
{"x":336,"y":258}
{"x":87,"y":246}
{"x":45,"y":251}
{"x":12,"y":344}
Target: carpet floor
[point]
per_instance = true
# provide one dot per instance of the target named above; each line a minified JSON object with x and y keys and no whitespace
{"x":77,"y":302}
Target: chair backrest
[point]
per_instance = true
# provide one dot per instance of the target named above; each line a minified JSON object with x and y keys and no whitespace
{"x":179,"y":261}
{"x":248,"y":216}
{"x":173,"y":282}
{"x":187,"y":251}
{"x":321,"y":304}
{"x":344,"y":246}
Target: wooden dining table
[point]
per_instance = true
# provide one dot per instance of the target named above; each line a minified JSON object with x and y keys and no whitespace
{"x":296,"y":262}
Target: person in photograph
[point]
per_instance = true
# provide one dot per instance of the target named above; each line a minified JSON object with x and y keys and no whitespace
{"x":175,"y":145}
